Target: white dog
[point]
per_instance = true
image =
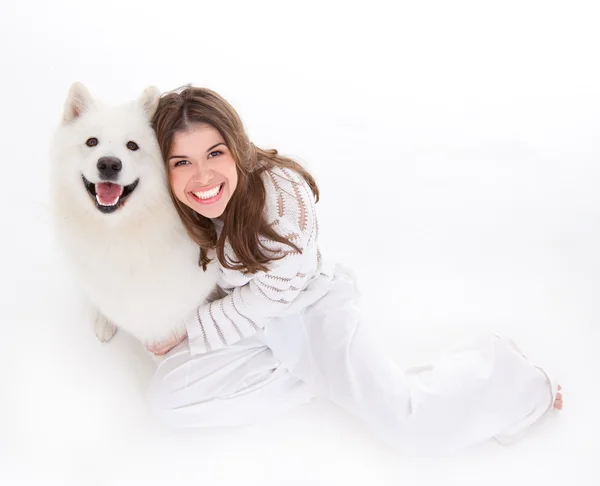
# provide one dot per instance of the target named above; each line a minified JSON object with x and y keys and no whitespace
{"x":116,"y":221}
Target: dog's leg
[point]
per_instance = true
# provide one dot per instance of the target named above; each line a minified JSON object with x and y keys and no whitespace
{"x":104,"y":329}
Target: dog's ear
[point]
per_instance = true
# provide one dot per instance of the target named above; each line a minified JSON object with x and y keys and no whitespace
{"x":149,"y":100}
{"x":78,"y":101}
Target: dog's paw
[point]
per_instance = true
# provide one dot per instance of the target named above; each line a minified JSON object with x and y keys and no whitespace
{"x":104,"y":329}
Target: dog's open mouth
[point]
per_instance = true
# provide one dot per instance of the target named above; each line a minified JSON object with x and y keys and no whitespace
{"x":108,"y":195}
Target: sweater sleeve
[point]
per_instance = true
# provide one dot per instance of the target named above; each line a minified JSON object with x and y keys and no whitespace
{"x":249,"y":307}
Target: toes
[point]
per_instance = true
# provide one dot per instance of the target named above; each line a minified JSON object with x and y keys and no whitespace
{"x":558,"y":402}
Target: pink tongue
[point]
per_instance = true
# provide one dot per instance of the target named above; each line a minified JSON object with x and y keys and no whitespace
{"x":108,"y":192}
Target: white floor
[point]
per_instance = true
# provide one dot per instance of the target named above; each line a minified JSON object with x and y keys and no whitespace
{"x":457,"y":149}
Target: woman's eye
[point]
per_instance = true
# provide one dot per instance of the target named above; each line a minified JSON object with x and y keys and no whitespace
{"x":132,"y":146}
{"x":91,"y":142}
{"x":214,"y":154}
{"x":181,"y":162}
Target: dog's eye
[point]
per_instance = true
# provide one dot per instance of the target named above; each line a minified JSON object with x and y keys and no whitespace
{"x":91,"y":142}
{"x":132,"y":146}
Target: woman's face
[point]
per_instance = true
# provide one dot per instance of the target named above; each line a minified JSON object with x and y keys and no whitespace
{"x":202,"y":170}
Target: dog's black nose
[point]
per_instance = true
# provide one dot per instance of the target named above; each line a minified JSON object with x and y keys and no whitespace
{"x":109,"y":167}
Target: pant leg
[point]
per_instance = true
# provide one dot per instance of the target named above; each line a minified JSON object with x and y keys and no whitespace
{"x":463,"y":398}
{"x":237,"y":385}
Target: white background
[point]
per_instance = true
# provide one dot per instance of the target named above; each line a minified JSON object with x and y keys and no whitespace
{"x":457,"y":148}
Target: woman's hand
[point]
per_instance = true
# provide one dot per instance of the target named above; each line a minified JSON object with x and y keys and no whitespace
{"x":160,"y":348}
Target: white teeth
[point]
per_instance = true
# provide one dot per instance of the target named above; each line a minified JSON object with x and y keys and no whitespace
{"x":114,"y":201}
{"x":110,"y":203}
{"x":208,"y":194}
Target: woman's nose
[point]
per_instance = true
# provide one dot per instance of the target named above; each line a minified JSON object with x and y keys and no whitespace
{"x":203,"y":173}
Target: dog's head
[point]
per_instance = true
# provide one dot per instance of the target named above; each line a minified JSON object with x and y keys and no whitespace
{"x":107,"y":157}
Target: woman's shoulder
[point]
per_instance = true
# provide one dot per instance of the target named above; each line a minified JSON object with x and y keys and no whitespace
{"x":290,"y":202}
{"x":287,"y":193}
{"x":284,"y":179}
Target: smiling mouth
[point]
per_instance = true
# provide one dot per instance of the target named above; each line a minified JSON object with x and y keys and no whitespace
{"x":209,"y":196}
{"x":109,"y":196}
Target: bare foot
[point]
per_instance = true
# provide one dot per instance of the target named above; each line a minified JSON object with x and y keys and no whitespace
{"x":558,"y":402}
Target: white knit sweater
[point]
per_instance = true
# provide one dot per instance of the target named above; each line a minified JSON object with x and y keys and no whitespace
{"x":292,"y":283}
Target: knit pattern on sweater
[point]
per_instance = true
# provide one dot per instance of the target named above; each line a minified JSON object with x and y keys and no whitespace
{"x":251,"y":300}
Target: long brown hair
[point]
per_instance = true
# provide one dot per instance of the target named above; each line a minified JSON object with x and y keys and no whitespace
{"x":243,"y":223}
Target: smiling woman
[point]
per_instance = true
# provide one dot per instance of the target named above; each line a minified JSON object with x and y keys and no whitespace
{"x":287,"y":326}
{"x":215,"y":171}
{"x":205,"y":178}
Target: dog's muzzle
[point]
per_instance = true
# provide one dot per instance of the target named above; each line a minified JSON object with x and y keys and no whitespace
{"x":109,"y":196}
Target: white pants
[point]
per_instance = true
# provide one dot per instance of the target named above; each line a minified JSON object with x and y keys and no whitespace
{"x":486,"y":390}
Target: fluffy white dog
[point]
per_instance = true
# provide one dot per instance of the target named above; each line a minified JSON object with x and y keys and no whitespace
{"x":115,"y":219}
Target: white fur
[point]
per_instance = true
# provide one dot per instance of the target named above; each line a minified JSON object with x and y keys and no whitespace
{"x":137,"y":265}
